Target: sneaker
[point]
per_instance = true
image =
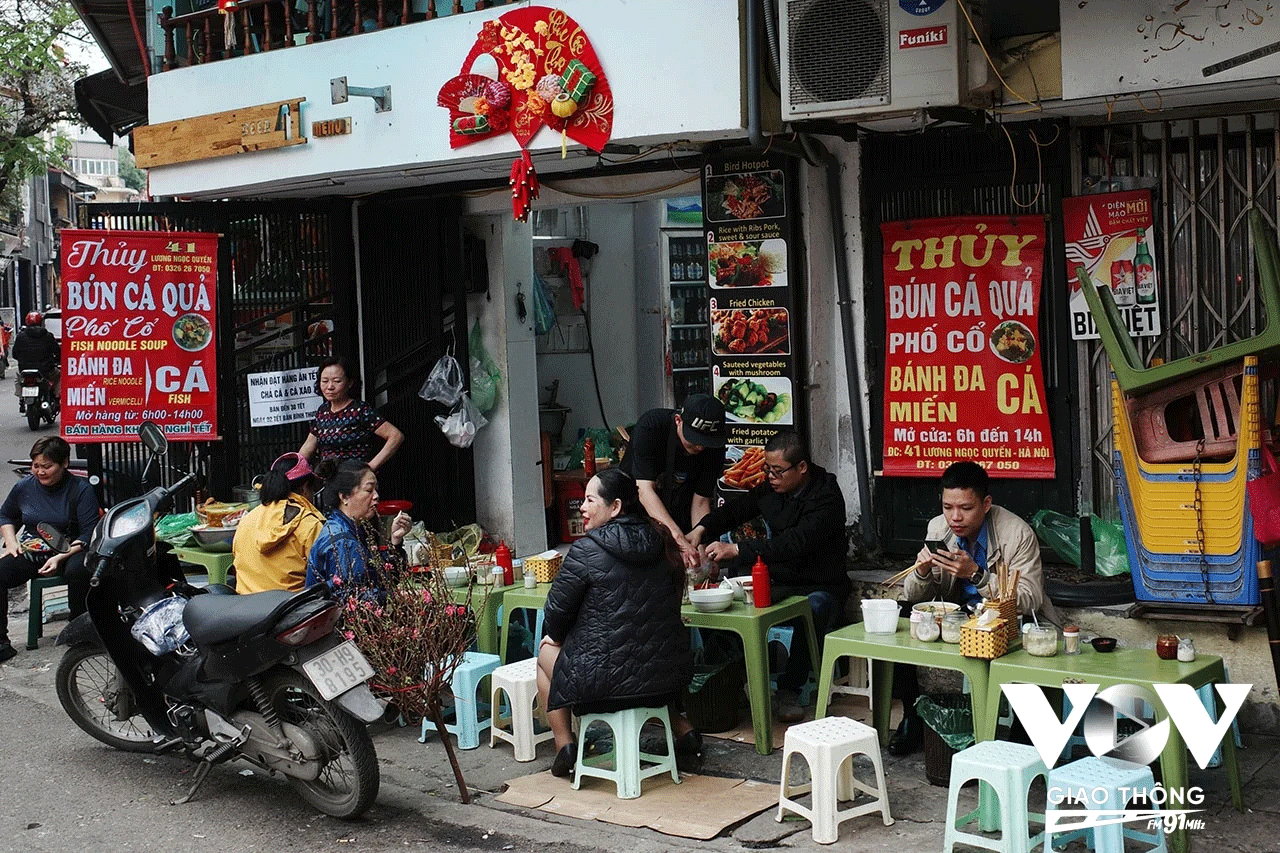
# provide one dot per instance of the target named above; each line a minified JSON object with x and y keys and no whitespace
{"x":7,"y":652}
{"x":565,"y":760}
{"x":787,"y":707}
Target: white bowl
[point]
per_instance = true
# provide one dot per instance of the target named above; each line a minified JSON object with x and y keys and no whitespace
{"x":741,"y":587}
{"x":879,"y":615}
{"x":457,"y":575}
{"x":711,"y":600}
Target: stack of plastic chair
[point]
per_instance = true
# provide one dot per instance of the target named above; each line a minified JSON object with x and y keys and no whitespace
{"x":1158,"y":500}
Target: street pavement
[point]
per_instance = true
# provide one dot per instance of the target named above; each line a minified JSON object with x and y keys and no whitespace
{"x":63,"y":791}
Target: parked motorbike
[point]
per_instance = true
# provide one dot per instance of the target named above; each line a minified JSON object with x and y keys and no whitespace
{"x":38,"y":400}
{"x":156,"y":665}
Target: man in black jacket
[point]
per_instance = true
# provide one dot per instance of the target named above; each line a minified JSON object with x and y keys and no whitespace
{"x":35,"y":348}
{"x":803,"y":511}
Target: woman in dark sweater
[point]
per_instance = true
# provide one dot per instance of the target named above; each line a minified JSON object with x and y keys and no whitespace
{"x":614,"y":637}
{"x":50,"y":494}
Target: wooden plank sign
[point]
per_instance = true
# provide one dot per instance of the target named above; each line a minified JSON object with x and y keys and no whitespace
{"x":257,"y":128}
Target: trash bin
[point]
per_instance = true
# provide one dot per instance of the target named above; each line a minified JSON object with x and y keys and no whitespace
{"x":948,"y":728}
{"x":714,"y":694}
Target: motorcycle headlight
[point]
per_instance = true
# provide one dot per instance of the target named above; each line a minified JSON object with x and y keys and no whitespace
{"x":130,"y":521}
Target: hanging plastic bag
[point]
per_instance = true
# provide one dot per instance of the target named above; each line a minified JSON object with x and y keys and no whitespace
{"x":484,"y":373}
{"x":461,"y":425}
{"x":1062,"y":534}
{"x":160,"y":627}
{"x":544,"y":310}
{"x":444,"y":383}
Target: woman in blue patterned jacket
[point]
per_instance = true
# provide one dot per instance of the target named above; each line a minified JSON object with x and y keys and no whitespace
{"x":342,"y":555}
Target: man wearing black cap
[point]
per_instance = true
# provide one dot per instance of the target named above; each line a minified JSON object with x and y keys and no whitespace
{"x":676,"y":455}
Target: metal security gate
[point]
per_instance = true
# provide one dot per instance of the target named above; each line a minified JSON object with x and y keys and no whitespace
{"x":413,"y":309}
{"x":956,"y":172}
{"x":285,"y":299}
{"x":1206,"y":174}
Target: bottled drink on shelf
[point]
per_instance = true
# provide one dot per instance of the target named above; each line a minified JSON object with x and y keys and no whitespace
{"x":1146,"y":271}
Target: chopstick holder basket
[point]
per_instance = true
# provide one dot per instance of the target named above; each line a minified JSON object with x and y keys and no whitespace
{"x":986,"y":641}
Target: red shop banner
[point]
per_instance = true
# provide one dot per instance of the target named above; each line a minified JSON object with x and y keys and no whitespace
{"x":138,"y":332}
{"x":962,"y":367}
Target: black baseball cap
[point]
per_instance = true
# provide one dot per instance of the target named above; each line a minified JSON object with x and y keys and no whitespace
{"x":703,"y":419}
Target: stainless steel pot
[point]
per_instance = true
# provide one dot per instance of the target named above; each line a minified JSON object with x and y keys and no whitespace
{"x":247,"y":493}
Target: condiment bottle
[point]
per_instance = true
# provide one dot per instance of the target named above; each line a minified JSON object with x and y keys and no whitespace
{"x":589,"y":457}
{"x":1071,"y":640}
{"x":761,"y":593}
{"x":502,"y":558}
{"x":1186,"y":650}
{"x":1167,"y":647}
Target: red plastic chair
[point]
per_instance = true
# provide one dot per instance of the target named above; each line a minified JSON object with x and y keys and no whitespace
{"x":1169,"y":423}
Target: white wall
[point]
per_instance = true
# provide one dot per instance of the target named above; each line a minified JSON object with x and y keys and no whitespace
{"x":673,"y":68}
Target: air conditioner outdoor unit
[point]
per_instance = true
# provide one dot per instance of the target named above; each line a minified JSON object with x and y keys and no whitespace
{"x":871,"y":58}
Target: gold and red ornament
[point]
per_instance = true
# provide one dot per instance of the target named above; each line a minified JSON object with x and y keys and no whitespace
{"x":550,"y":76}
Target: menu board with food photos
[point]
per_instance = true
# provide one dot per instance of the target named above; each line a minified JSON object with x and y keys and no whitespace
{"x":749,"y":218}
{"x":138,"y":334}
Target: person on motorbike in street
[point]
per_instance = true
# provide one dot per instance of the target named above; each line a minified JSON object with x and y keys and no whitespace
{"x":53,"y":495}
{"x":273,"y":540}
{"x":35,"y":348}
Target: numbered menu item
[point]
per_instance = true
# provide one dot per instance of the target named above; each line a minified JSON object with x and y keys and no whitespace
{"x":766,"y":400}
{"x":753,"y":331}
{"x":746,"y":467}
{"x":750,"y":195}
{"x":748,"y":263}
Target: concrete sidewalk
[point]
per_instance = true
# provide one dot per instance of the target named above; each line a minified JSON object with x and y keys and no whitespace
{"x":418,"y":776}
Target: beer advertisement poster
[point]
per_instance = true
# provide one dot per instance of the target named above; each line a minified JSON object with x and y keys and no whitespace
{"x":963,"y":376}
{"x":138,"y":334}
{"x":1110,"y":235}
{"x":748,"y":217}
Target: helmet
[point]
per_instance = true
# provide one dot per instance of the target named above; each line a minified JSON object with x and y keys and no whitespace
{"x":33,"y":318}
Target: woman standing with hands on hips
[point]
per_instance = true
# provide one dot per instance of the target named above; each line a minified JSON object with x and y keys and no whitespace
{"x":344,"y":425}
{"x":54,"y":496}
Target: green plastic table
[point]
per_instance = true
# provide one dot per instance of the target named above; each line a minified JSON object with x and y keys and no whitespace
{"x":752,"y":624}
{"x":487,"y":601}
{"x":215,"y":563}
{"x":518,"y":598}
{"x":885,"y":650}
{"x":1139,"y":667}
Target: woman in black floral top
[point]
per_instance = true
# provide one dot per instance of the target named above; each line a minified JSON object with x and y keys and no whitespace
{"x":344,"y":426}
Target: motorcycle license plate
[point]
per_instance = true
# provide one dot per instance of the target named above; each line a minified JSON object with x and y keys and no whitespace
{"x":30,"y":391}
{"x":338,"y":670}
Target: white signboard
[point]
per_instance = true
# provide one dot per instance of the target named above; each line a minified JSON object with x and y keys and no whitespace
{"x":282,"y":397}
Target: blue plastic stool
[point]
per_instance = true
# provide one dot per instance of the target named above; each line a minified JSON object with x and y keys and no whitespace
{"x":627,"y":773}
{"x":466,"y":681}
{"x":36,"y":609}
{"x":783,"y":635}
{"x":1005,"y":770}
{"x":1084,"y":782}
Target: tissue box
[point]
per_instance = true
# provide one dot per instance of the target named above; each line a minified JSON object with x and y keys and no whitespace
{"x":986,"y":642}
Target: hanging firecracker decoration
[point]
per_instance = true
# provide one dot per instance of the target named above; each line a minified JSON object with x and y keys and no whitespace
{"x":524,"y":186}
{"x":548,"y":75}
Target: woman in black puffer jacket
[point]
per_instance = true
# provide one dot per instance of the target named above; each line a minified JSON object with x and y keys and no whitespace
{"x":614,"y":637}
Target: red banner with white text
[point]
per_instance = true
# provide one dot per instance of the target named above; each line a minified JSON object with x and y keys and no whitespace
{"x":963,"y":378}
{"x":138,"y":334}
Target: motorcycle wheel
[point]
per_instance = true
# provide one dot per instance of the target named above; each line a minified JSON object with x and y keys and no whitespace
{"x":87,"y":688}
{"x":348,"y":784}
{"x":33,"y":416}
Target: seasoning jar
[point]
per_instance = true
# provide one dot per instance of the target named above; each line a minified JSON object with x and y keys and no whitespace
{"x":1186,"y":650}
{"x":951,"y":625}
{"x":1167,"y":647}
{"x":927,"y":628}
{"x":1040,"y":641}
{"x":1071,"y":640}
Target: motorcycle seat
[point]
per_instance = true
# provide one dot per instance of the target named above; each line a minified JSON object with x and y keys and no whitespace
{"x":212,"y":619}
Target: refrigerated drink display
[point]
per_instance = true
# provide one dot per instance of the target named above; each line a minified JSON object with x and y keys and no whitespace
{"x":689,"y":330}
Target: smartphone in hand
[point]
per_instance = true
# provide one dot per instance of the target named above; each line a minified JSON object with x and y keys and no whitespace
{"x":937,"y":546}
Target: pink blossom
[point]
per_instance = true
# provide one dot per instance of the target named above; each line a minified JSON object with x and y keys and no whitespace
{"x":391,"y":670}
{"x":349,"y":635}
{"x":462,"y":610}
{"x":337,"y":580}
{"x":449,"y":610}
{"x":426,"y":597}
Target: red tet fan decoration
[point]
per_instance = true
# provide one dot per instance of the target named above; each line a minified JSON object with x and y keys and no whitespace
{"x":548,"y":75}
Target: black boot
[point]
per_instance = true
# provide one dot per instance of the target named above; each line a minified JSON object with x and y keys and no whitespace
{"x":565,"y":760}
{"x":908,"y":737}
{"x":6,"y":652}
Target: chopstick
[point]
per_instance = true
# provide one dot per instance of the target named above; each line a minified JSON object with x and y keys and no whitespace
{"x":902,"y":574}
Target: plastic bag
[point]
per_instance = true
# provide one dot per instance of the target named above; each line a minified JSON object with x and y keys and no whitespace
{"x":484,"y":373}
{"x":160,"y":627}
{"x":444,"y":383}
{"x":460,"y":425}
{"x":950,"y":716}
{"x":176,"y":528}
{"x":544,"y":310}
{"x":1062,"y":534}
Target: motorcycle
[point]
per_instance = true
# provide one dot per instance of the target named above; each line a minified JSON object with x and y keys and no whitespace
{"x":38,"y":400}
{"x":156,"y":665}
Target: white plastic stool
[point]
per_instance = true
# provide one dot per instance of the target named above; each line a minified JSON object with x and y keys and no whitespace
{"x":1085,"y":782}
{"x":520,"y":682}
{"x":627,"y":773}
{"x":1008,"y":769}
{"x":828,"y":745}
{"x":467,"y":724}
{"x":856,"y":683}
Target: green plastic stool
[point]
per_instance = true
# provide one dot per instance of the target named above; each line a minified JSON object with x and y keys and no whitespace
{"x":627,"y":774}
{"x":1007,"y":770}
{"x":35,"y":607}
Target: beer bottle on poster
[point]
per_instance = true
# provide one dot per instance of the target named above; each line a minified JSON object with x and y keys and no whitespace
{"x":1146,"y":271}
{"x":1122,"y":282}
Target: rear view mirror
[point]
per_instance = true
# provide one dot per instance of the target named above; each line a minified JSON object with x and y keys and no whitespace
{"x":153,"y":438}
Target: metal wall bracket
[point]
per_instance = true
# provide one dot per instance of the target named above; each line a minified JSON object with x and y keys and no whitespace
{"x":339,"y":92}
